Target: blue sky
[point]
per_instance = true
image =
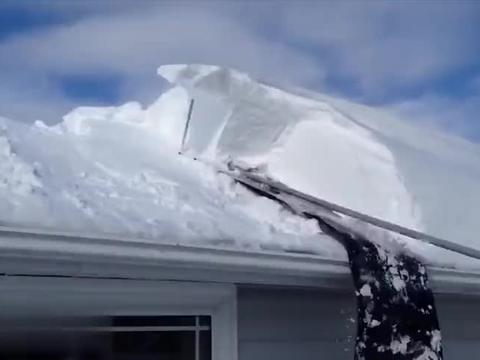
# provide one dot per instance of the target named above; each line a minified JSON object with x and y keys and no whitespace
{"x":421,"y":59}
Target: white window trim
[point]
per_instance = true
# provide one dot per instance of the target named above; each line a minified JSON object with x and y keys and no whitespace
{"x":27,"y":296}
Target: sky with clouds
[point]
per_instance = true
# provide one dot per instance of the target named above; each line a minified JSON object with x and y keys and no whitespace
{"x":419,"y":58}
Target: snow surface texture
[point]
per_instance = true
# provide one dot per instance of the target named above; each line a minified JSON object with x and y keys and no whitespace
{"x":117,"y":169}
{"x":108,"y":170}
{"x":353,"y":155}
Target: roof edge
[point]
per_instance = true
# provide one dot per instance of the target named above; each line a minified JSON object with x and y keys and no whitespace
{"x":48,"y":253}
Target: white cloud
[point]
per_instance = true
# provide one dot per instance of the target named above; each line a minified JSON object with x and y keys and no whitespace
{"x":387,"y":45}
{"x":458,"y":116}
{"x":134,"y":44}
{"x":382,"y":48}
{"x":24,"y":96}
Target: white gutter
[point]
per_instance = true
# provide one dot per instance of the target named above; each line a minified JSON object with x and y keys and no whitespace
{"x":46,"y":253}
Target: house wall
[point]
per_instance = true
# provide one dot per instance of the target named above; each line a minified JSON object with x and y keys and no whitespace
{"x":304,"y":324}
{"x":286,"y":324}
{"x":460,"y":324}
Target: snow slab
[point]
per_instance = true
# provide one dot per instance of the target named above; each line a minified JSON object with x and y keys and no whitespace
{"x":116,"y":170}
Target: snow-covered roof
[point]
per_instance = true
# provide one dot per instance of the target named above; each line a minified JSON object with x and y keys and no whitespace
{"x":24,"y":252}
{"x":116,"y":170}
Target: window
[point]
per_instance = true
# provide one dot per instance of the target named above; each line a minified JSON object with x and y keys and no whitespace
{"x":73,"y":318}
{"x":99,"y":338}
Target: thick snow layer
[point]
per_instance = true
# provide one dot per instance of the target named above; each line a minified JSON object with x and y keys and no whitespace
{"x":117,"y":169}
{"x":357,"y":156}
{"x":109,"y":170}
{"x":306,"y":144}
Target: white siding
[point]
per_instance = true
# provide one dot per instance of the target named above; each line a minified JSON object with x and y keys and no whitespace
{"x":304,"y":324}
{"x":283,"y":324}
{"x":460,"y":324}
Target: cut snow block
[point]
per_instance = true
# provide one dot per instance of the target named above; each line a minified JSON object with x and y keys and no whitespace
{"x":397,"y":318}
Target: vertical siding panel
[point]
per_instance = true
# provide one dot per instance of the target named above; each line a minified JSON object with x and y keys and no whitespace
{"x":295,"y":324}
{"x":306,"y":324}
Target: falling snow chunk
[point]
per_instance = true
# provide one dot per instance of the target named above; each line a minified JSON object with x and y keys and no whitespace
{"x":374,"y":323}
{"x":400,"y":345}
{"x":398,"y":283}
{"x":366,"y":290}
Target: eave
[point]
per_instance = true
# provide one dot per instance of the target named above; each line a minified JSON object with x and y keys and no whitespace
{"x":45,"y":253}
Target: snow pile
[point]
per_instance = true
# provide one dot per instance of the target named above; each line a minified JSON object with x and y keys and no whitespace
{"x":353,"y":155}
{"x":117,"y":169}
{"x":113,"y":171}
{"x":305,"y":143}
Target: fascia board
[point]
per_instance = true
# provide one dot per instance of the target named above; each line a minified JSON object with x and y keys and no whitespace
{"x":30,"y":252}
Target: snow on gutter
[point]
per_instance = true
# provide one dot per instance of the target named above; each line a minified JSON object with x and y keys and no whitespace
{"x":35,"y":253}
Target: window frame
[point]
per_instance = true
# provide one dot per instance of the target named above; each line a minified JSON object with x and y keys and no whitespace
{"x":26,"y":295}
